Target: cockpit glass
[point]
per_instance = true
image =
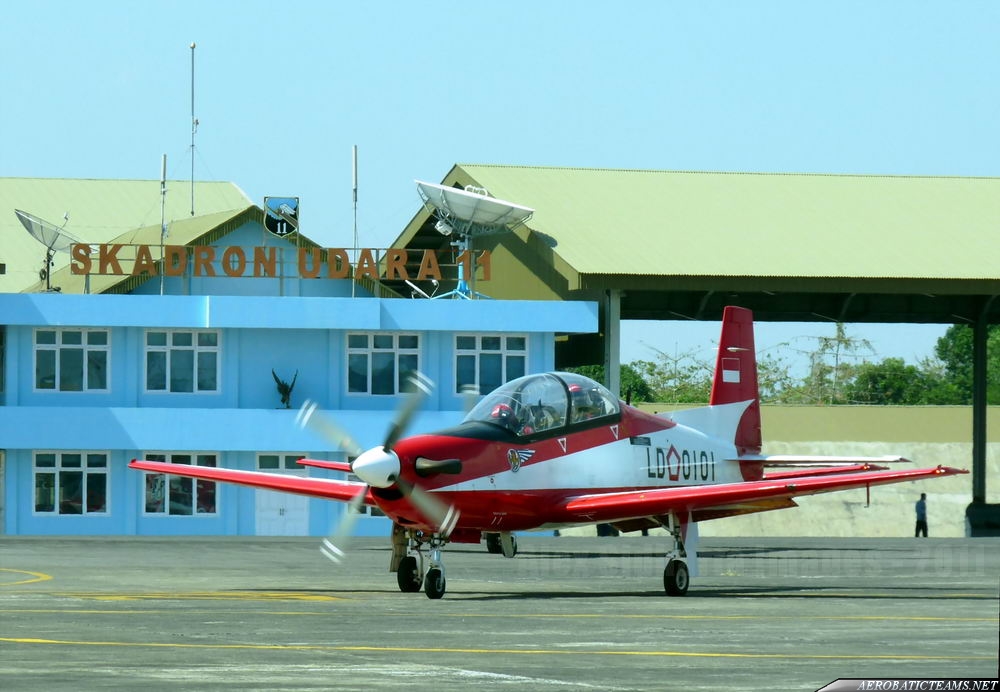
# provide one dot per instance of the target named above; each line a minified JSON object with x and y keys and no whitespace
{"x":536,"y":403}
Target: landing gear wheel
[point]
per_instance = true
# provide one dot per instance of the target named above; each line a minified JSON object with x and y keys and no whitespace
{"x":675,"y":578}
{"x":493,"y":544}
{"x":407,"y":575}
{"x":434,"y":583}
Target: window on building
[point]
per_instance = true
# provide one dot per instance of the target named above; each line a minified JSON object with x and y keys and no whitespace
{"x":182,"y":361}
{"x":176,"y":495}
{"x":72,"y":360}
{"x":487,"y":361}
{"x":381,"y":363}
{"x":280,"y":462}
{"x":71,"y":482}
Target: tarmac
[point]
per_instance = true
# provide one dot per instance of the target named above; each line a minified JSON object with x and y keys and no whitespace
{"x":566,"y":613}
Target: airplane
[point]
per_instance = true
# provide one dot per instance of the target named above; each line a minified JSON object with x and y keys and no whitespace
{"x":553,"y":450}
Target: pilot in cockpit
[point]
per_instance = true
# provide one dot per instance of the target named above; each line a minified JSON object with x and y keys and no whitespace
{"x":505,"y":416}
{"x":584,"y":406}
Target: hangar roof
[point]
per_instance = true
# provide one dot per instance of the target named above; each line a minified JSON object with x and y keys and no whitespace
{"x":757,"y":224}
{"x":790,"y":246}
{"x":99,"y":211}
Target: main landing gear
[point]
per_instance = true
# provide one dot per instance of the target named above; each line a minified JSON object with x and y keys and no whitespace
{"x":504,"y":542}
{"x":408,"y":561}
{"x":676,"y":576}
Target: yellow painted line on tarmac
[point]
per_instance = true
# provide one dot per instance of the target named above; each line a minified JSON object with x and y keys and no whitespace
{"x":265,"y":596}
{"x":490,"y":652}
{"x":34,"y":577}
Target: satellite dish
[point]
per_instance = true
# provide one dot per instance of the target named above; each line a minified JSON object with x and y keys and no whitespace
{"x":467,"y":214}
{"x":54,"y":238}
{"x":472,"y":207}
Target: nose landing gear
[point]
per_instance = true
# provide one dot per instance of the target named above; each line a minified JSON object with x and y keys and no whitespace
{"x":408,"y":560}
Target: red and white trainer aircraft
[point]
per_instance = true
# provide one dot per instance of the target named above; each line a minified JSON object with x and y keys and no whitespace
{"x":554,"y":450}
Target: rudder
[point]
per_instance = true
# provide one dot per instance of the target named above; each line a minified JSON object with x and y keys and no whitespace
{"x":735,"y":378}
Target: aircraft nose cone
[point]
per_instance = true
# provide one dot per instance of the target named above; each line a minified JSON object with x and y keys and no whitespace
{"x":377,"y":467}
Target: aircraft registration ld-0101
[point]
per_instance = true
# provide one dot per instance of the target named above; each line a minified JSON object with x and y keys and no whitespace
{"x":554,"y":450}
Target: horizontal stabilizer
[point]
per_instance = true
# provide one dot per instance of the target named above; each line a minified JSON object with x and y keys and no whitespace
{"x":795,"y":459}
{"x":807,"y":471}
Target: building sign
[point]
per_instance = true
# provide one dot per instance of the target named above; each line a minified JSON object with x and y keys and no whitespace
{"x":237,"y":261}
{"x":281,"y":215}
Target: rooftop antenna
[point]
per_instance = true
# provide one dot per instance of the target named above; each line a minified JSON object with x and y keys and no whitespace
{"x":54,"y":238}
{"x":163,"y":218}
{"x":469,"y":213}
{"x":194,"y":126}
{"x":354,"y":187}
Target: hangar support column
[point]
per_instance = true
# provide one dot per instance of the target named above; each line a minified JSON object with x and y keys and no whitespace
{"x":983,"y":519}
{"x":611,"y":328}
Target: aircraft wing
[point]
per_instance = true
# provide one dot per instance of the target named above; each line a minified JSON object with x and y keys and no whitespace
{"x":729,"y":497}
{"x":325,"y":488}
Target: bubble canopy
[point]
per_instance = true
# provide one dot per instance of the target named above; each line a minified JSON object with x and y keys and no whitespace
{"x":536,"y":403}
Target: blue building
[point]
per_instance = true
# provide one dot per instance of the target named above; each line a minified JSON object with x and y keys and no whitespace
{"x":181,"y":360}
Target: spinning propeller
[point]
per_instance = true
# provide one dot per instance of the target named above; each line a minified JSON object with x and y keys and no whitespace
{"x":378,"y":467}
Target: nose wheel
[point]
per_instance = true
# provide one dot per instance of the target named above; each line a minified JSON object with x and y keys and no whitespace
{"x":409,"y":574}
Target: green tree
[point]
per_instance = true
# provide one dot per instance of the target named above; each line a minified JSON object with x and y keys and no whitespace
{"x":954,"y":350}
{"x":891,"y":382}
{"x":831,"y":366}
{"x":681,"y":379}
{"x":633,"y":385}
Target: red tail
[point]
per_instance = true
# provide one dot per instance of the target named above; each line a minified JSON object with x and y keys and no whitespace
{"x":735,"y":377}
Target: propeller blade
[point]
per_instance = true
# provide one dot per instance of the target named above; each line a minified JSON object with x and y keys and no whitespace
{"x":442,"y":515}
{"x":422,"y":387}
{"x":309,"y":416}
{"x":334,"y":547}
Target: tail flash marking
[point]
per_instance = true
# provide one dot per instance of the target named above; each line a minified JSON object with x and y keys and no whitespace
{"x":731,"y":370}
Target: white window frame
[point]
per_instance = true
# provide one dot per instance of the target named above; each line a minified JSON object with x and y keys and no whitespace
{"x":286,"y":462}
{"x":165,"y":479}
{"x":3,"y":356}
{"x":504,"y":352}
{"x":398,"y":385}
{"x":84,"y":346}
{"x":195,"y":348}
{"x":85,"y":470}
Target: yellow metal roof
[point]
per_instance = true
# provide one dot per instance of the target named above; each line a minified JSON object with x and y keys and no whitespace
{"x":192,"y":230}
{"x":100,"y":211}
{"x":674,"y":223}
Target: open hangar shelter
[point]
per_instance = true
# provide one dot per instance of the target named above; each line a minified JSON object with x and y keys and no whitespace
{"x":791,"y":247}
{"x":116,"y":364}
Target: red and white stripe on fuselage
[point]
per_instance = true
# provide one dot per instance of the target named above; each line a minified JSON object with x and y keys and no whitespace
{"x":509,"y":486}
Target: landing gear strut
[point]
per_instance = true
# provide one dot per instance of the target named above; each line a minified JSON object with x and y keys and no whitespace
{"x":504,"y":542}
{"x":676,"y":577}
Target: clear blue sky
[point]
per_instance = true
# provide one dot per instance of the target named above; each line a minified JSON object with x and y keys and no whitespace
{"x":284,"y":89}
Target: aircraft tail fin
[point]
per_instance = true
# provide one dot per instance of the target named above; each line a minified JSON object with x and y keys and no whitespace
{"x":735,"y":378}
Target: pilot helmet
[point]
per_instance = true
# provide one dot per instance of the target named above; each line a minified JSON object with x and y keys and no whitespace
{"x":502,"y":412}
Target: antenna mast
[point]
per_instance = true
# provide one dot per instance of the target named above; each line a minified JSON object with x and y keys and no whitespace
{"x":194,"y":126}
{"x":354,"y":159}
{"x":163,"y":218}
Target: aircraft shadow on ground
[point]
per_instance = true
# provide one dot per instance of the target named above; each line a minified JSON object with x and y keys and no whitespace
{"x":829,"y":592}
